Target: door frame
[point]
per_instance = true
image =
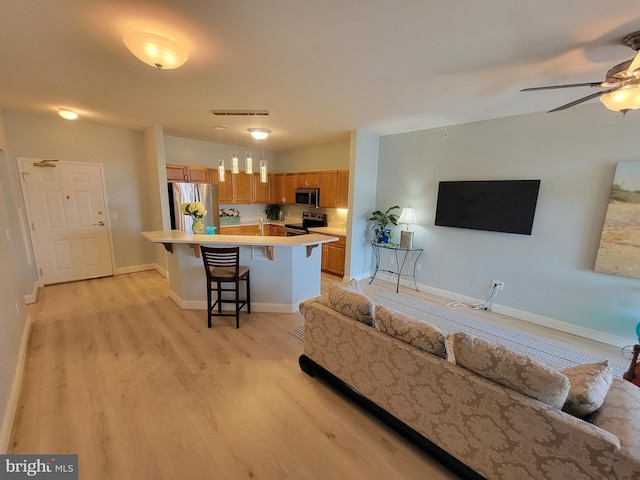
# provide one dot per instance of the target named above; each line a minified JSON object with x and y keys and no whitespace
{"x":25,"y":197}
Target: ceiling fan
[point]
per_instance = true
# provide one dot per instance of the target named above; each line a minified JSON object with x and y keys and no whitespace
{"x":622,"y":83}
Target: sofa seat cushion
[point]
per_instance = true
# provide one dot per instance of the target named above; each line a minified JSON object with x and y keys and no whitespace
{"x":506,"y":367}
{"x":349,"y":300}
{"x":618,"y":415}
{"x":589,"y":385}
{"x":411,"y":330}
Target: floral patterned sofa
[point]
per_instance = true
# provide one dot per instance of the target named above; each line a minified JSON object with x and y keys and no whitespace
{"x":488,"y":413}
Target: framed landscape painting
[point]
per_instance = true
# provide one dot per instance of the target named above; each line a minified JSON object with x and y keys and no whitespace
{"x":619,"y":252}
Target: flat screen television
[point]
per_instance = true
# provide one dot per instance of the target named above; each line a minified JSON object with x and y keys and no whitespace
{"x":494,"y":205}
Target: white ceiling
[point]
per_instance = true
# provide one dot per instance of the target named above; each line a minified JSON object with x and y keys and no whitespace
{"x":321,"y":67}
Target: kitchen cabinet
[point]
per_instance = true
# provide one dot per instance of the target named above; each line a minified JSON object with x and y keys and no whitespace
{"x":333,"y":256}
{"x":242,"y":186}
{"x":225,"y":189}
{"x":275,"y":230}
{"x":261,"y":191}
{"x":239,"y":230}
{"x":307,"y":180}
{"x":343,"y":189}
{"x":182,"y":173}
{"x":329,"y":189}
{"x":285,"y":188}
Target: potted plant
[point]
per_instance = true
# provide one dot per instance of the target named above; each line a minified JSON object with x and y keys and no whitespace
{"x":273,"y":211}
{"x":380,"y":221}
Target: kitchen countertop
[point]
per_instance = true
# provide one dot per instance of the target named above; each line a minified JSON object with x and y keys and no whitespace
{"x":176,"y":236}
{"x":329,"y":231}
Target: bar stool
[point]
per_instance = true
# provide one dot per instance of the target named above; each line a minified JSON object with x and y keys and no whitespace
{"x":222,"y":265}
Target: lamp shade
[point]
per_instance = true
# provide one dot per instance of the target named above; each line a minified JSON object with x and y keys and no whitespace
{"x":408,"y":216}
{"x":155,"y":50}
{"x":626,"y":97}
{"x":259,"y":133}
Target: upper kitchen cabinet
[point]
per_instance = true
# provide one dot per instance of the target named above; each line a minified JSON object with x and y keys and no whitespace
{"x":329,"y":189}
{"x":285,"y":188}
{"x":343,"y":189}
{"x":242,"y":187}
{"x":182,"y":173}
{"x":308,"y":180}
{"x":334,"y":189}
{"x":261,"y":191}
{"x":225,"y":189}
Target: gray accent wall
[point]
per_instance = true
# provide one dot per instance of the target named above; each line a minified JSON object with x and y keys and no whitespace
{"x":550,"y":273}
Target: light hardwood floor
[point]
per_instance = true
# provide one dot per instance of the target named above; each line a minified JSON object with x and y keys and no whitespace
{"x":141,"y":389}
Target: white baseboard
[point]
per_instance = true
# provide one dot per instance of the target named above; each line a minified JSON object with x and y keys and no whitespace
{"x":534,"y":318}
{"x":255,"y":307}
{"x":16,"y":387}
{"x":136,"y":268}
{"x":33,"y":297}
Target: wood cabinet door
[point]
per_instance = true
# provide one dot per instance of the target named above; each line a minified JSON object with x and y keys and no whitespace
{"x":261,"y":191}
{"x":280,"y":195}
{"x":290,"y":188}
{"x":176,"y":173}
{"x":329,"y":189}
{"x":239,"y":230}
{"x":242,"y":187}
{"x":198,"y":174}
{"x":225,"y":189}
{"x":307,"y":180}
{"x":343,"y":189}
{"x":335,"y":258}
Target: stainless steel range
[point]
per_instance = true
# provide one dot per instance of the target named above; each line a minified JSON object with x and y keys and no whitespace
{"x":309,"y":220}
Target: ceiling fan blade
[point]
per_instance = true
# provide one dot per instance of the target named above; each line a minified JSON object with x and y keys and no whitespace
{"x":581,"y":100}
{"x":635,"y":65}
{"x":569,"y":85}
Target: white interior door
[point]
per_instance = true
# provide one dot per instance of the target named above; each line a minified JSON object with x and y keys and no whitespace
{"x":67,"y":219}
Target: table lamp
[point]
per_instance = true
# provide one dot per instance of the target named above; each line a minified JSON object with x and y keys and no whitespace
{"x":408,"y":216}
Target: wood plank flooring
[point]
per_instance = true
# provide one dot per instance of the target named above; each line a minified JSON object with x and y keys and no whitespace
{"x":141,"y":389}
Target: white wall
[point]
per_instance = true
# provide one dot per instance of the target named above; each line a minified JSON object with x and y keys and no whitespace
{"x":14,"y":283}
{"x":332,"y":156}
{"x":121,"y":151}
{"x":549,"y":273}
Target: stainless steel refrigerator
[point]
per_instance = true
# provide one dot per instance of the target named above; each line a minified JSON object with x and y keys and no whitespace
{"x":193,"y":192}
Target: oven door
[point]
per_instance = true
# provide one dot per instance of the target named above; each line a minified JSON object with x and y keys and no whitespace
{"x":290,"y":232}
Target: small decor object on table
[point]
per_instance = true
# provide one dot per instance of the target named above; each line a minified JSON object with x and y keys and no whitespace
{"x":229,"y":215}
{"x":196,"y":211}
{"x":380,"y":221}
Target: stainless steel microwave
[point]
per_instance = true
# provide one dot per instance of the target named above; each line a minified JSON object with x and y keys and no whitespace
{"x":309,"y":197}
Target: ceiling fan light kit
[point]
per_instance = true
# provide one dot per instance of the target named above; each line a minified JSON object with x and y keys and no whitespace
{"x":622,"y":83}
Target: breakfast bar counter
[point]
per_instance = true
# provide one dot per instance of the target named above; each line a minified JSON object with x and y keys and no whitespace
{"x":284,"y":270}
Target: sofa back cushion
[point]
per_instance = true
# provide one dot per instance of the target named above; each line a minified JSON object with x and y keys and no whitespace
{"x":589,"y":385}
{"x":350,"y":301}
{"x":412,"y":331}
{"x":506,"y":367}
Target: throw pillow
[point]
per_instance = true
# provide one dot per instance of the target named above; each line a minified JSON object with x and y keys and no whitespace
{"x":347,"y":300}
{"x":412,"y":331}
{"x":506,"y":367}
{"x":589,"y":385}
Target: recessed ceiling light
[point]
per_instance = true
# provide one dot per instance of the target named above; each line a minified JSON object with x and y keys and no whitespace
{"x":67,"y":114}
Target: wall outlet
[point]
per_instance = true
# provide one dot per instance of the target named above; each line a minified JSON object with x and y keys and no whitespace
{"x":497,"y":284}
{"x":392,"y":261}
{"x":418,"y":267}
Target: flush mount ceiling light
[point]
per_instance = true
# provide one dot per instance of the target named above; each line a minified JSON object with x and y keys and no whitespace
{"x":67,"y":114}
{"x":259,"y":133}
{"x":156,"y":50}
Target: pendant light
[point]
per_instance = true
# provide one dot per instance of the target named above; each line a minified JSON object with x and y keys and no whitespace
{"x":263,"y":168}
{"x":221,"y":161}
{"x":248,"y":164}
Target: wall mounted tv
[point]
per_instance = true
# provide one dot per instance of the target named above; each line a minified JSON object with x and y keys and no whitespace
{"x":494,"y":205}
